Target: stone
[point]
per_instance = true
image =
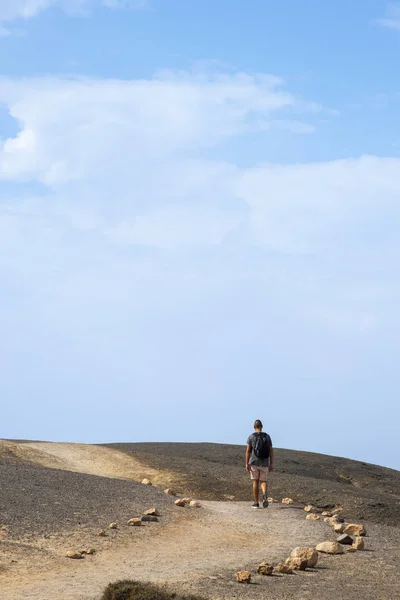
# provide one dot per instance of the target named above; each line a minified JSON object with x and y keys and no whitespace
{"x":146,"y":482}
{"x":330,"y":548}
{"x":351,"y":549}
{"x":180,"y":502}
{"x":337,"y":519}
{"x":272,"y":500}
{"x":265,"y":569}
{"x":287,"y":501}
{"x":152,"y":512}
{"x":101,"y":533}
{"x":310,"y":508}
{"x":135,"y":522}
{"x":88,"y":551}
{"x":186,"y":500}
{"x":345,"y":539}
{"x":75,"y":555}
{"x":296,"y":564}
{"x":194,"y":504}
{"x":332,"y":521}
{"x":359,"y":544}
{"x":149,"y":519}
{"x":354,"y":529}
{"x":113,"y":526}
{"x":327,"y":513}
{"x":306,"y":553}
{"x":243,"y":576}
{"x":313,"y":517}
{"x":339,"y":527}
{"x":283,"y":568}
{"x":337,"y":510}
{"x":170,"y":492}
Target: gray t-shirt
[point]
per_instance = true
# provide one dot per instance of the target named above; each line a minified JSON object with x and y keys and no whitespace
{"x":257,"y":462}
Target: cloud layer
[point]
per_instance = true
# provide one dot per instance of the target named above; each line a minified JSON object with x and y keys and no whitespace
{"x":128,"y":161}
{"x":128,"y":246}
{"x":391,"y":19}
{"x":12,"y":10}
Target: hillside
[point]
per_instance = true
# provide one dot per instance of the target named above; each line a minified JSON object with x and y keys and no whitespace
{"x":54,"y":498}
{"x":216,"y":472}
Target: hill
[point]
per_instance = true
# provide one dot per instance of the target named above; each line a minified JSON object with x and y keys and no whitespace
{"x":216,"y":472}
{"x":54,"y":498}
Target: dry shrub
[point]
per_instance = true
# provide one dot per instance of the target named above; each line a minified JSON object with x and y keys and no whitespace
{"x":136,"y":590}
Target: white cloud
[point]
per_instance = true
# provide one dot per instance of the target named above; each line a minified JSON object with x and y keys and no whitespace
{"x":138,"y":270}
{"x":392,"y":17}
{"x":11,"y":10}
{"x":307,"y":208}
{"x":142,"y":121}
{"x":132,"y":205}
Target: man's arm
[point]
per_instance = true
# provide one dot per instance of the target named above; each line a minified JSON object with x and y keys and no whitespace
{"x":248,"y":452}
{"x":271,"y":458}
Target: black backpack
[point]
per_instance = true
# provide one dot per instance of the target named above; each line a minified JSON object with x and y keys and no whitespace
{"x":261,"y":446}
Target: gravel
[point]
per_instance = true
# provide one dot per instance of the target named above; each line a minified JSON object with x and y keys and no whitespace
{"x":216,"y":472}
{"x":36,"y":500}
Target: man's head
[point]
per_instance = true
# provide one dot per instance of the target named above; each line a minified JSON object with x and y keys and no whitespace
{"x":258,"y":425}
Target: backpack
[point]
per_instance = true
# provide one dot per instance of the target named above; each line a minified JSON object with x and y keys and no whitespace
{"x":261,"y":445}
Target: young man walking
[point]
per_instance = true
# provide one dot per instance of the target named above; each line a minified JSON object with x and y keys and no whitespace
{"x":259,"y":461}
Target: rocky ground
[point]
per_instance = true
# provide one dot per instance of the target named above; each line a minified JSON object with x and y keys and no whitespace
{"x":47,"y":512}
{"x":216,"y":472}
{"x":37,"y":501}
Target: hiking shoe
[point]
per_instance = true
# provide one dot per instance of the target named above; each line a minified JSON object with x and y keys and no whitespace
{"x":265,"y":501}
{"x":255,"y":505}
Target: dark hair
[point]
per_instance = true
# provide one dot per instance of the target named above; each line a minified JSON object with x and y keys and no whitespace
{"x":258,"y":424}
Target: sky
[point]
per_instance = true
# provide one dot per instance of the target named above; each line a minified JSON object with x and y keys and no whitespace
{"x":199,"y":222}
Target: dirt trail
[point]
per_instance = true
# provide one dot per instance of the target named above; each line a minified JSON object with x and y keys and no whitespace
{"x":200,"y":549}
{"x":196,"y":544}
{"x":90,"y":459}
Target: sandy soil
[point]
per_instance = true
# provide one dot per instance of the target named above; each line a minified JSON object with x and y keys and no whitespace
{"x":92,"y":460}
{"x":215,"y":472}
{"x":195,"y":549}
{"x":202,"y":550}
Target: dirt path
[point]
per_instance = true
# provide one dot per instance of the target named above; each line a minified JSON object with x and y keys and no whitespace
{"x":215,"y":538}
{"x":202,"y":549}
{"x":199,"y":549}
{"x":93,"y":460}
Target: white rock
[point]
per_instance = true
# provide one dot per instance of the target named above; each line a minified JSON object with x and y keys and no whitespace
{"x":305,"y":553}
{"x":73,"y":554}
{"x":330,"y":548}
{"x":359,"y":544}
{"x":354,"y":529}
{"x":313,"y":517}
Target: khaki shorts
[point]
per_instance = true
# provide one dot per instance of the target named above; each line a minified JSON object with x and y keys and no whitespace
{"x":260,"y":473}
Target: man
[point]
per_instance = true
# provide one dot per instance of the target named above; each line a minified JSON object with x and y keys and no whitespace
{"x":259,"y":461}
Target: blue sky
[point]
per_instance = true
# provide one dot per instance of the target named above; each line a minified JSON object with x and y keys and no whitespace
{"x":199,"y":217}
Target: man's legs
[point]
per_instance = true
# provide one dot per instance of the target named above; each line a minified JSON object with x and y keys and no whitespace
{"x":256,"y":490}
{"x":264,"y":491}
